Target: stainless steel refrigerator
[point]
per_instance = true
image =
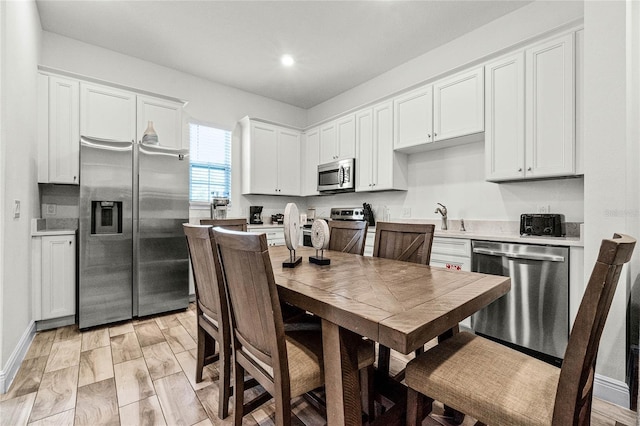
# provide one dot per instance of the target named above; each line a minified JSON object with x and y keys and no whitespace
{"x":133,"y":259}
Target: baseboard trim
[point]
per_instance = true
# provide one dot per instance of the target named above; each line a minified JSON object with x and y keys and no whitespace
{"x":17,"y":356}
{"x":611,"y":390}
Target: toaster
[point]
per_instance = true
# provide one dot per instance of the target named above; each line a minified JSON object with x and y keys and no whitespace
{"x":549,"y":225}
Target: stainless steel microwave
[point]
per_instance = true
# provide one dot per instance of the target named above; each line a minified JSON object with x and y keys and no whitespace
{"x":337,"y":176}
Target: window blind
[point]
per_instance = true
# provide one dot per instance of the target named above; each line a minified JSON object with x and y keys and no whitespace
{"x":210,"y":155}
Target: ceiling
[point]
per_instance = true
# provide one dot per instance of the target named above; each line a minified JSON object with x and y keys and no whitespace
{"x":337,"y":45}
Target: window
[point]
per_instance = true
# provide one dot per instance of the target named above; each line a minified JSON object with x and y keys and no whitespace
{"x":210,"y":154}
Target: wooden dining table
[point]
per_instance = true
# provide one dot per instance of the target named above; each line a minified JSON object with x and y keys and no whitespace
{"x":398,"y":304}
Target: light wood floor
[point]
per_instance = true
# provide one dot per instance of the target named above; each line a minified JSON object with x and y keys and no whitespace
{"x":143,"y":372}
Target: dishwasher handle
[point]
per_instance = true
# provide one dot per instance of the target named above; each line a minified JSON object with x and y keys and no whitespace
{"x":526,"y":256}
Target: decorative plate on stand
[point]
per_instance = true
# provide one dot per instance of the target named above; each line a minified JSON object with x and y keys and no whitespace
{"x":291,"y":234}
{"x":319,"y":241}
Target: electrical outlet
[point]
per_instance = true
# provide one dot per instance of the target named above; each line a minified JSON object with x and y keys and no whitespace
{"x":544,"y":208}
{"x":406,"y":212}
{"x":51,"y":209}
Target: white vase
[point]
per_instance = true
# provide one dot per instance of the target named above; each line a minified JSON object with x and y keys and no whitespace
{"x":150,"y":136}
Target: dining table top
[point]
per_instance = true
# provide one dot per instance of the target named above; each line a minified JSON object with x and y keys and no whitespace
{"x":401,"y":305}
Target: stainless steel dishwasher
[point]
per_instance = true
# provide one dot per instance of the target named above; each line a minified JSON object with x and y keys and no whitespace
{"x":535,"y":313}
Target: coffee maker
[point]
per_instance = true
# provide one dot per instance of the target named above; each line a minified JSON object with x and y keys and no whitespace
{"x":255,"y":215}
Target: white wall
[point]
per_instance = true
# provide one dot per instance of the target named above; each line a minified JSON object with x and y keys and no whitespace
{"x":455,"y":176}
{"x":611,"y":155}
{"x":523,"y":24}
{"x":19,"y":52}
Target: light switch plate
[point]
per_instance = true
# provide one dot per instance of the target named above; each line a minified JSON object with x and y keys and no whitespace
{"x":16,"y":209}
{"x":51,"y":209}
{"x":406,"y":212}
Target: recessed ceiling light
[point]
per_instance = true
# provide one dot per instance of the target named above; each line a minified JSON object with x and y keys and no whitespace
{"x":287,"y":60}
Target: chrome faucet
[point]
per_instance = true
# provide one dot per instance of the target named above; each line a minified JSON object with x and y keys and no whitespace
{"x":443,"y":211}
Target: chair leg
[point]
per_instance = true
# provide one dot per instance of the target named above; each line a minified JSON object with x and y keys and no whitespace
{"x":384,"y":356}
{"x":367,"y":392}
{"x":202,"y":339}
{"x":414,"y":408}
{"x":238,"y":394}
{"x":418,"y":407}
{"x":224,"y":385}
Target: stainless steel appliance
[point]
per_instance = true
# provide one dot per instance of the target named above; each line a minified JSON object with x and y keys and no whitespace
{"x":535,"y":313}
{"x":219,"y":208}
{"x":133,"y":260}
{"x":541,"y":224}
{"x":337,"y":176}
{"x":347,"y":213}
{"x":255,"y":215}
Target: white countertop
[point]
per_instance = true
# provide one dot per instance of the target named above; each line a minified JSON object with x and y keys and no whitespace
{"x":46,"y":232}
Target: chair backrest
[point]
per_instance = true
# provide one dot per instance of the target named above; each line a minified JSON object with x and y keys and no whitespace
{"x":210,"y":293}
{"x":256,"y":317}
{"x":575,"y":387}
{"x":235,"y":224}
{"x":410,"y":242}
{"x":348,"y":236}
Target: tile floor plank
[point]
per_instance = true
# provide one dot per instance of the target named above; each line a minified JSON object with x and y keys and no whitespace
{"x":119,"y":329}
{"x":145,"y":412}
{"x":179,"y":339}
{"x":95,"y":365}
{"x":64,"y":353}
{"x":67,"y":333}
{"x":16,"y":411}
{"x":179,"y":402}
{"x":133,"y":381}
{"x":160,"y":360}
{"x":149,"y":333}
{"x":57,"y":393}
{"x":187,"y":360}
{"x":95,"y":338}
{"x":62,"y":419}
{"x":125,"y":347}
{"x":97,"y":404}
{"x":167,"y":321}
{"x":41,"y":344}
{"x":27,"y":379}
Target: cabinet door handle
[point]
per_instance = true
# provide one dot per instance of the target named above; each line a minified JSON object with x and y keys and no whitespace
{"x":435,"y":134}
{"x":70,"y":242}
{"x":429,"y":135}
{"x":519,"y":169}
{"x":529,"y":168}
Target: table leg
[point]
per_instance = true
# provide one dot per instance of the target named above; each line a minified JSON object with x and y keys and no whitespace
{"x":341,"y":375}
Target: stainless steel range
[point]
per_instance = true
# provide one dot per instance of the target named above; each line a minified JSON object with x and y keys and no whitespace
{"x":337,"y":213}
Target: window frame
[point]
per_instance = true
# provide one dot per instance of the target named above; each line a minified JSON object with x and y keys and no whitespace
{"x":203,"y":205}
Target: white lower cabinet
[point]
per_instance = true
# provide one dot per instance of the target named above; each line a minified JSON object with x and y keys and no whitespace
{"x":54,"y":276}
{"x":453,"y":254}
{"x":275,"y":234}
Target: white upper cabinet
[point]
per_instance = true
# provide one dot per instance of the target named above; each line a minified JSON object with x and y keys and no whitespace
{"x":580,"y":102}
{"x":379,"y":168}
{"x":458,"y":105}
{"x":310,"y":157}
{"x":166,"y":117}
{"x":504,"y":135}
{"x":530,"y":115}
{"x":270,"y":159}
{"x":58,"y":130}
{"x":413,"y":122}
{"x":451,"y":108}
{"x":549,"y":108}
{"x":338,"y":140}
{"x":107,"y":113}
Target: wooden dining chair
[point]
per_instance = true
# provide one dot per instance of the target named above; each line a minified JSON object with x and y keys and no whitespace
{"x":212,"y":311}
{"x":409,"y":242}
{"x":286,"y":363}
{"x":500,"y":386}
{"x":348,"y":236}
{"x":235,"y":224}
